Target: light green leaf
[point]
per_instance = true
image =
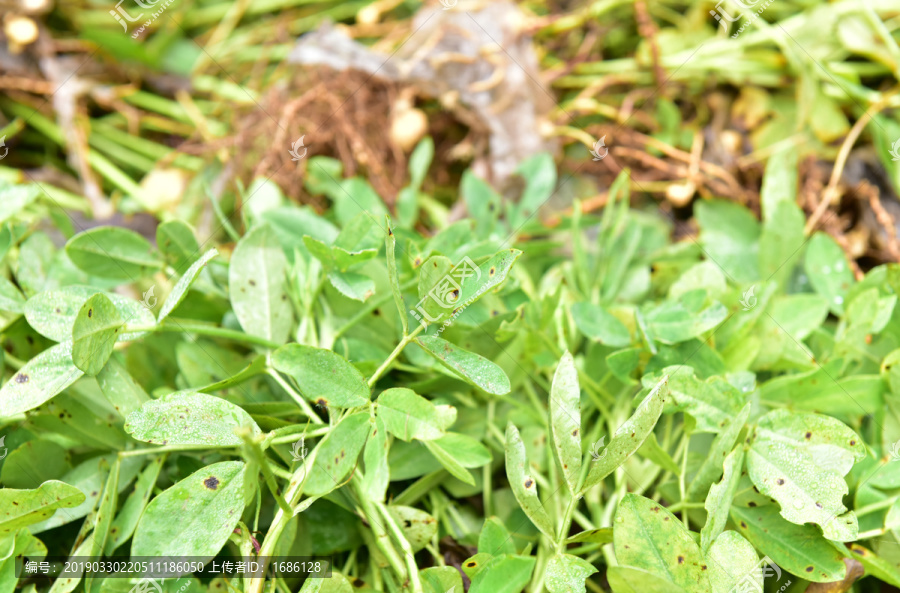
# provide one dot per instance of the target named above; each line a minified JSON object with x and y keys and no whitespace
{"x":442,"y":579}
{"x":256,"y":280}
{"x":876,"y":566}
{"x":196,"y":516}
{"x":178,"y":244}
{"x":712,"y":403}
{"x":729,"y":234}
{"x":11,"y":299}
{"x":43,"y":377}
{"x":450,"y":463}
{"x":711,"y":468}
{"x":504,"y":574}
{"x":672,"y":322}
{"x":113,"y":252}
{"x":474,"y":369}
{"x":94,"y":334}
{"x":565,"y":420}
{"x":566,"y":574}
{"x":323,"y":376}
{"x":417,"y":526}
{"x":189,"y":418}
{"x":523,"y":485}
{"x":495,"y":538}
{"x":828,"y":271}
{"x":52,"y":313}
{"x":120,"y":388}
{"x":26,"y":507}
{"x":352,"y":285}
{"x":733,"y":561}
{"x":106,"y":510}
{"x":799,"y":549}
{"x":123,"y":525}
{"x":375,"y":456}
{"x":598,"y":324}
{"x":394,"y":276}
{"x":604,"y":535}
{"x":718,"y":502}
{"x":409,"y":416}
{"x":184,"y":284}
{"x":649,"y":537}
{"x":627,"y":579}
{"x":336,"y":454}
{"x":629,"y":437}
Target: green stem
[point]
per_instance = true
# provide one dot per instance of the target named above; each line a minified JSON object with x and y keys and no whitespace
{"x":404,"y":547}
{"x":382,"y":540}
{"x":301,"y":401}
{"x":876,"y":506}
{"x":566,"y":525}
{"x":260,"y":457}
{"x":390,"y":359}
{"x":204,"y":330}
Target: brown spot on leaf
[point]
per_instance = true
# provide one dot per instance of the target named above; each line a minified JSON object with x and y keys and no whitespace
{"x":681,"y":560}
{"x":808,"y":435}
{"x":575,"y":433}
{"x":529,"y":483}
{"x":780,"y":481}
{"x":21,"y":378}
{"x":211,"y":482}
{"x":471,"y":564}
{"x":90,"y":313}
{"x":808,"y":569}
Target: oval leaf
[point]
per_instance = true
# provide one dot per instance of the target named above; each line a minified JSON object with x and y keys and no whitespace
{"x":184,"y":284}
{"x":523,"y":485}
{"x":189,"y":418}
{"x":94,"y":334}
{"x":196,"y":516}
{"x":567,"y":573}
{"x":565,"y":419}
{"x":323,"y":376}
{"x":336,"y":454}
{"x":256,"y":279}
{"x":113,"y":252}
{"x":409,"y":416}
{"x":44,"y":376}
{"x":474,"y":369}
{"x":26,"y":507}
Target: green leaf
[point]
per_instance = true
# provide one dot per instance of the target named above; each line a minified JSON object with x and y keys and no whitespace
{"x":417,"y":526}
{"x":375,"y":456}
{"x":598,"y":324}
{"x":718,"y":502}
{"x":336,"y":454}
{"x":441,"y":579}
{"x":629,"y":437}
{"x":26,"y":507}
{"x":495,"y":538}
{"x":875,"y":565}
{"x":450,"y":463}
{"x":43,"y":377}
{"x":176,"y":240}
{"x":604,"y":535}
{"x":539,"y":172}
{"x":733,"y":562}
{"x":184,"y":284}
{"x":799,"y":460}
{"x":729,"y":234}
{"x":11,"y":299}
{"x":394,"y":277}
{"x":566,"y":574}
{"x":189,"y":418}
{"x":323,"y":376}
{"x":106,"y":510}
{"x":504,"y":574}
{"x":712,"y":403}
{"x":113,"y":252}
{"x":828,"y":271}
{"x":799,"y":549}
{"x":52,"y":313}
{"x":94,"y":334}
{"x":409,"y":416}
{"x":711,"y":468}
{"x":523,"y":485}
{"x":474,"y":369}
{"x":673,"y":322}
{"x":352,"y":285}
{"x":627,"y":579}
{"x":256,"y":280}
{"x":120,"y":388}
{"x":649,"y":537}
{"x":123,"y":525}
{"x":196,"y":516}
{"x":565,"y":420}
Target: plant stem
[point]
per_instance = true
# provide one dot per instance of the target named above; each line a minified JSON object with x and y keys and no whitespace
{"x":381,"y":537}
{"x":566,"y":524}
{"x":301,"y":401}
{"x":390,"y":359}
{"x":404,"y":546}
{"x":204,"y":330}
